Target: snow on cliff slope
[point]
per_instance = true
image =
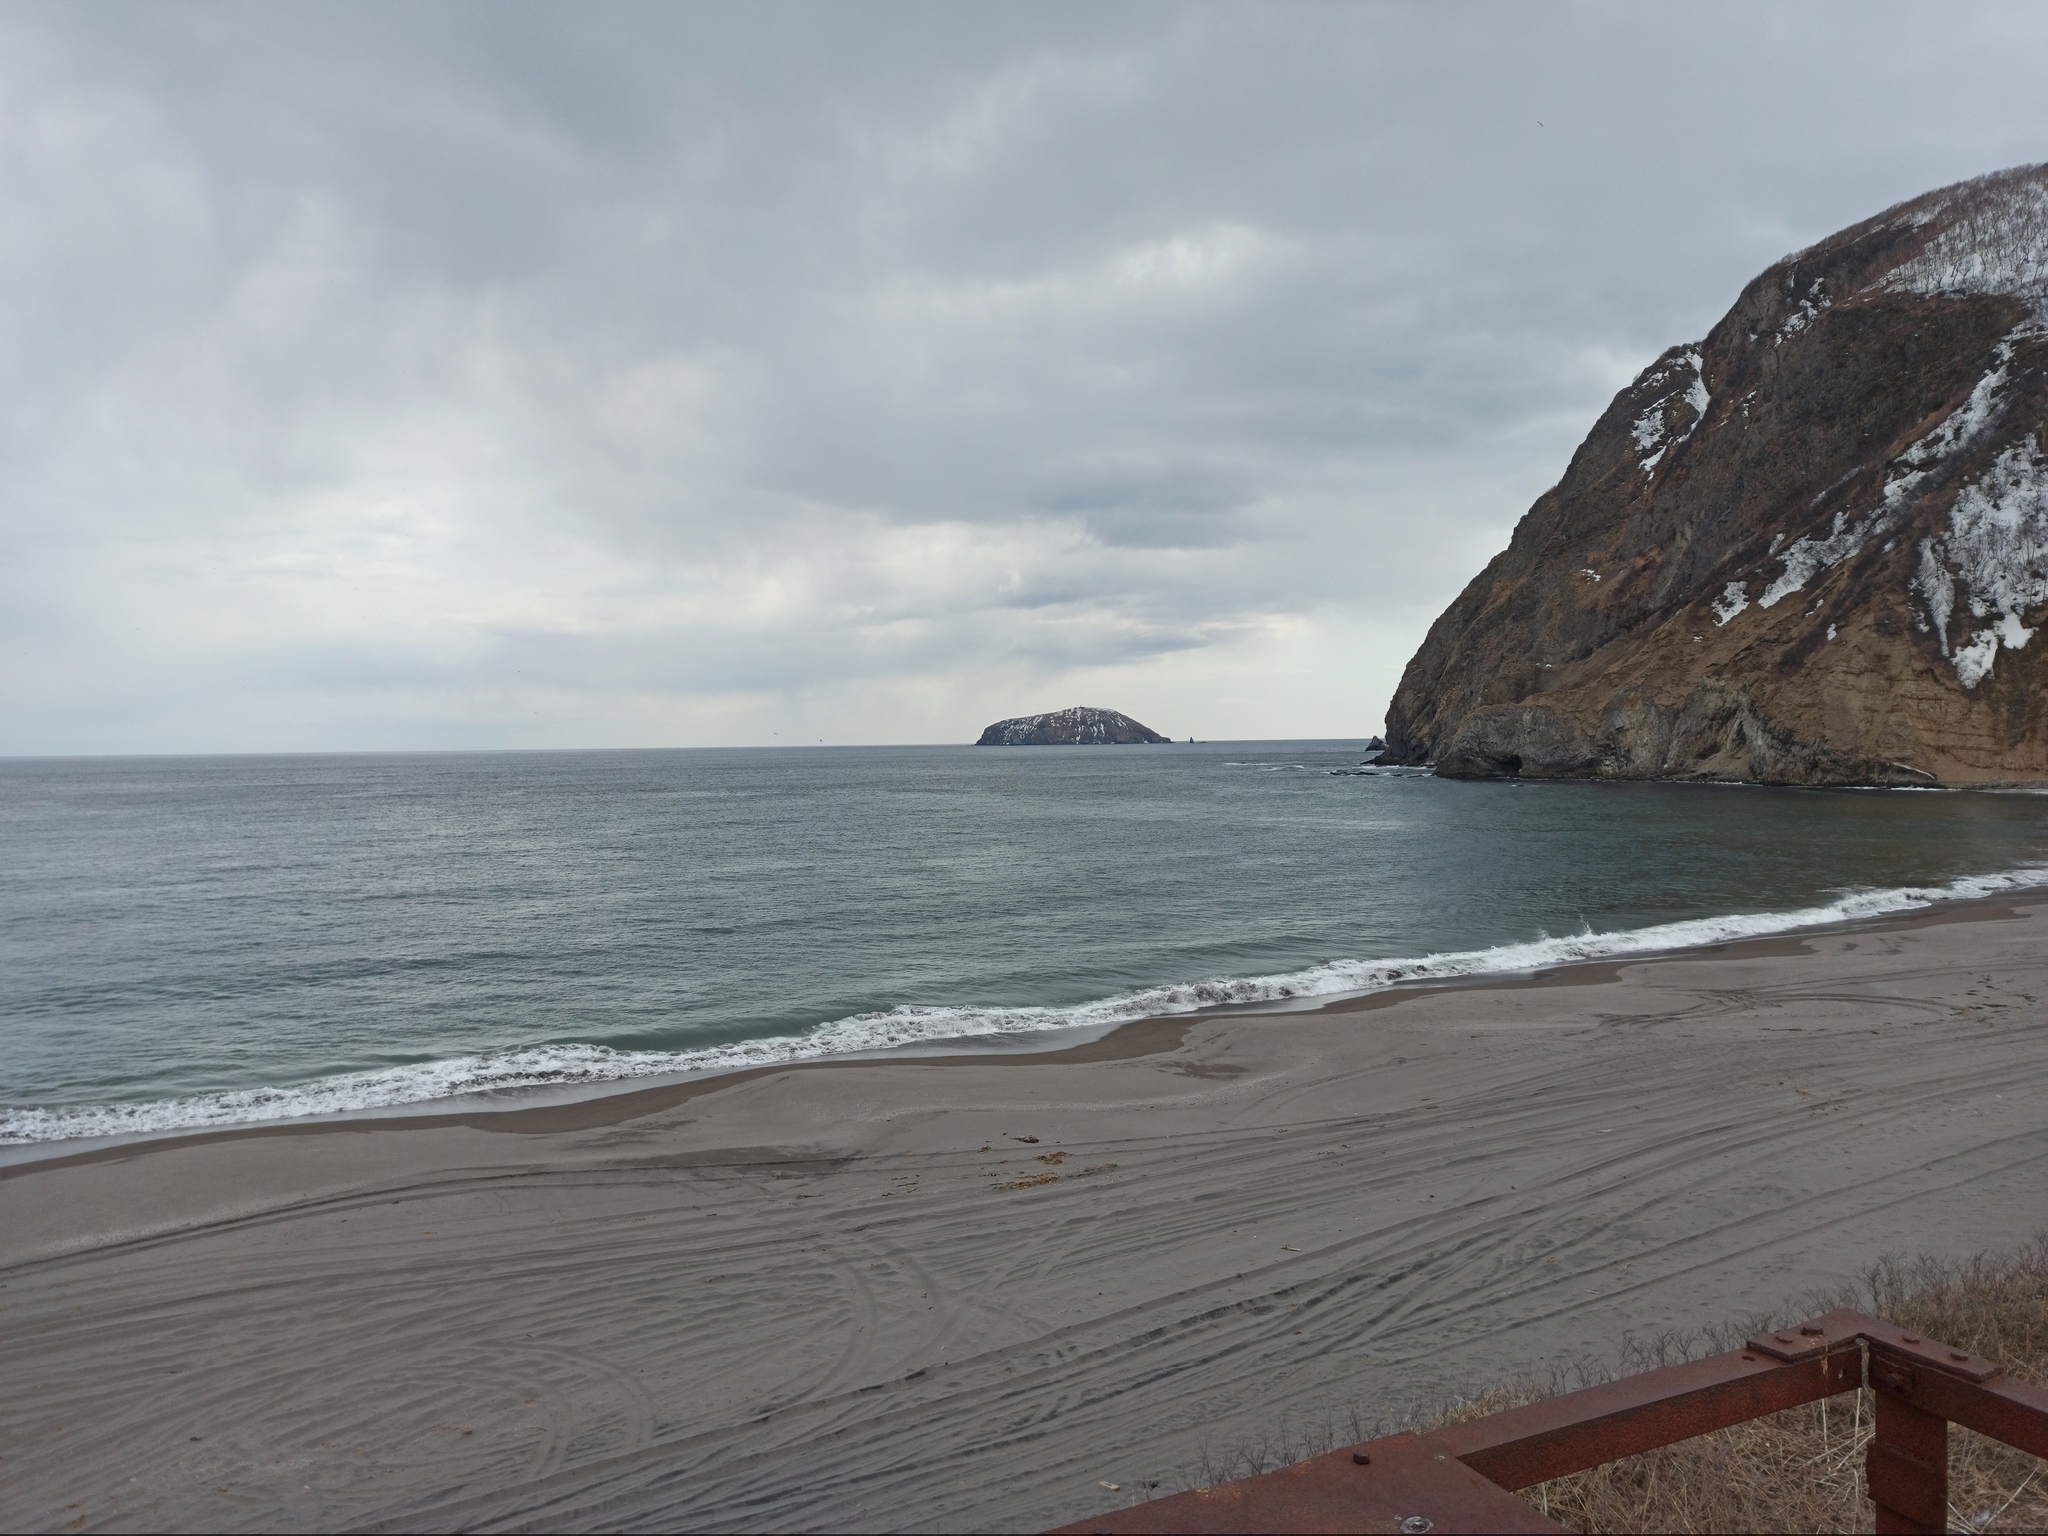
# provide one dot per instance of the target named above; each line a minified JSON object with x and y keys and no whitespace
{"x":1863,"y":431}
{"x":1993,"y":240}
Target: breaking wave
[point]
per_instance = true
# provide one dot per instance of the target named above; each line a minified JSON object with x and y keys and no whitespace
{"x":911,"y":1024}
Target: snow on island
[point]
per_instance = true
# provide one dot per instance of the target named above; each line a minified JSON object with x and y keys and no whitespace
{"x":1080,"y":726}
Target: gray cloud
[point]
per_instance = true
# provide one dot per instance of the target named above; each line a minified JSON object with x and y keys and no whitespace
{"x":502,"y":375}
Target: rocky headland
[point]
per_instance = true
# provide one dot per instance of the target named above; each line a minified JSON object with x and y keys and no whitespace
{"x":1076,"y":727}
{"x":1810,"y":548}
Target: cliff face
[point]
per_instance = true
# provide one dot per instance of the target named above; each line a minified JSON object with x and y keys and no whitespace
{"x":1076,"y":727}
{"x":1811,"y":548}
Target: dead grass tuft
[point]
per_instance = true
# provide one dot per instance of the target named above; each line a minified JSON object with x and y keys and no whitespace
{"x":1801,"y":1470}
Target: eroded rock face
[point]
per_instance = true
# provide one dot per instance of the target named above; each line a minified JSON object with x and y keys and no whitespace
{"x":1076,"y":727}
{"x":1811,"y":548}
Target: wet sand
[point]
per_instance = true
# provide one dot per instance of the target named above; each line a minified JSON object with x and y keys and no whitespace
{"x":962,"y":1293}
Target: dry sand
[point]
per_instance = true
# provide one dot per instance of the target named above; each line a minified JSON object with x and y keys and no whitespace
{"x":863,"y":1297}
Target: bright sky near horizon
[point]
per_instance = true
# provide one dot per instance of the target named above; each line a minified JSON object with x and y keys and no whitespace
{"x":512,"y":375}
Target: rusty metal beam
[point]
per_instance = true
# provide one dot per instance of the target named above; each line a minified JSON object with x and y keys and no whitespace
{"x":1457,"y":1478}
{"x":2004,"y":1409}
{"x":1399,"y":1485}
{"x":1955,"y":1385}
{"x":1906,"y":1468}
{"x":1567,"y":1434}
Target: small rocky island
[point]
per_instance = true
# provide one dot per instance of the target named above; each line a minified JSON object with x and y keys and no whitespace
{"x":1076,"y":727}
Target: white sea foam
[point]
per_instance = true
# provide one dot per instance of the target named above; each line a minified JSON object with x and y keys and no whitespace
{"x":574,"y":1064}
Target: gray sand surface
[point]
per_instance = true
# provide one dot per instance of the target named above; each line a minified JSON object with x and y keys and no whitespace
{"x":820,"y":1299}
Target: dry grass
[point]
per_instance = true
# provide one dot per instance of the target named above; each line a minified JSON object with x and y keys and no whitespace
{"x":1801,"y":1470}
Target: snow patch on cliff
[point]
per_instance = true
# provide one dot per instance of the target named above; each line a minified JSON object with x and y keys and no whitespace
{"x":1960,"y":427}
{"x":1933,"y":584}
{"x":1733,"y":599}
{"x":1996,"y":243}
{"x":1995,"y":556}
{"x":1808,"y":557}
{"x":1808,"y":311}
{"x":1683,"y":381}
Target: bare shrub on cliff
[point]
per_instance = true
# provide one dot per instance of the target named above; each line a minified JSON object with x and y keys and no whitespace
{"x":1993,"y":238}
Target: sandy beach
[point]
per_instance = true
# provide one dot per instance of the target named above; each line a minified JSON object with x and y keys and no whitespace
{"x":964,"y":1294}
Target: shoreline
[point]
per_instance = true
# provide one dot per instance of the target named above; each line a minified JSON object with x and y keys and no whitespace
{"x":615,"y":1101}
{"x":729,"y":1305}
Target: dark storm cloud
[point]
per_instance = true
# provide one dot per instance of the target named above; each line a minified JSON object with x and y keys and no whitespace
{"x":503,"y":374}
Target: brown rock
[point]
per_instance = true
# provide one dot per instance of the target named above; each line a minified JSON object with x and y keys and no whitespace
{"x":1812,"y":548}
{"x":1080,"y":726}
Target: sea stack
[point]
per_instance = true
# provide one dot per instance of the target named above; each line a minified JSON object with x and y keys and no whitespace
{"x":1811,"y":548}
{"x":1076,"y":727}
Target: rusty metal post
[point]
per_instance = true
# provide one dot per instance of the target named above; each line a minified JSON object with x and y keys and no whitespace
{"x":1907,"y":1463}
{"x":1457,"y":1478}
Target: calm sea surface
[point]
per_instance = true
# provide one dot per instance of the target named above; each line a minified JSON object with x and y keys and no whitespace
{"x":193,"y":941}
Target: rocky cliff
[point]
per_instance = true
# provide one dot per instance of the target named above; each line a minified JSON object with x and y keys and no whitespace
{"x":1076,"y":727}
{"x":1810,"y":548}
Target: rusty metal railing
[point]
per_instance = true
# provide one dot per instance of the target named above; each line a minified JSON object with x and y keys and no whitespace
{"x":1462,"y":1477}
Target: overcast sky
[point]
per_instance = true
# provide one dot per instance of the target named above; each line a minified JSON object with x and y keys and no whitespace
{"x":498,"y":375}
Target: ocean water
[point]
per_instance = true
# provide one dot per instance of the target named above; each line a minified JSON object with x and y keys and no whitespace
{"x":201,"y":941}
